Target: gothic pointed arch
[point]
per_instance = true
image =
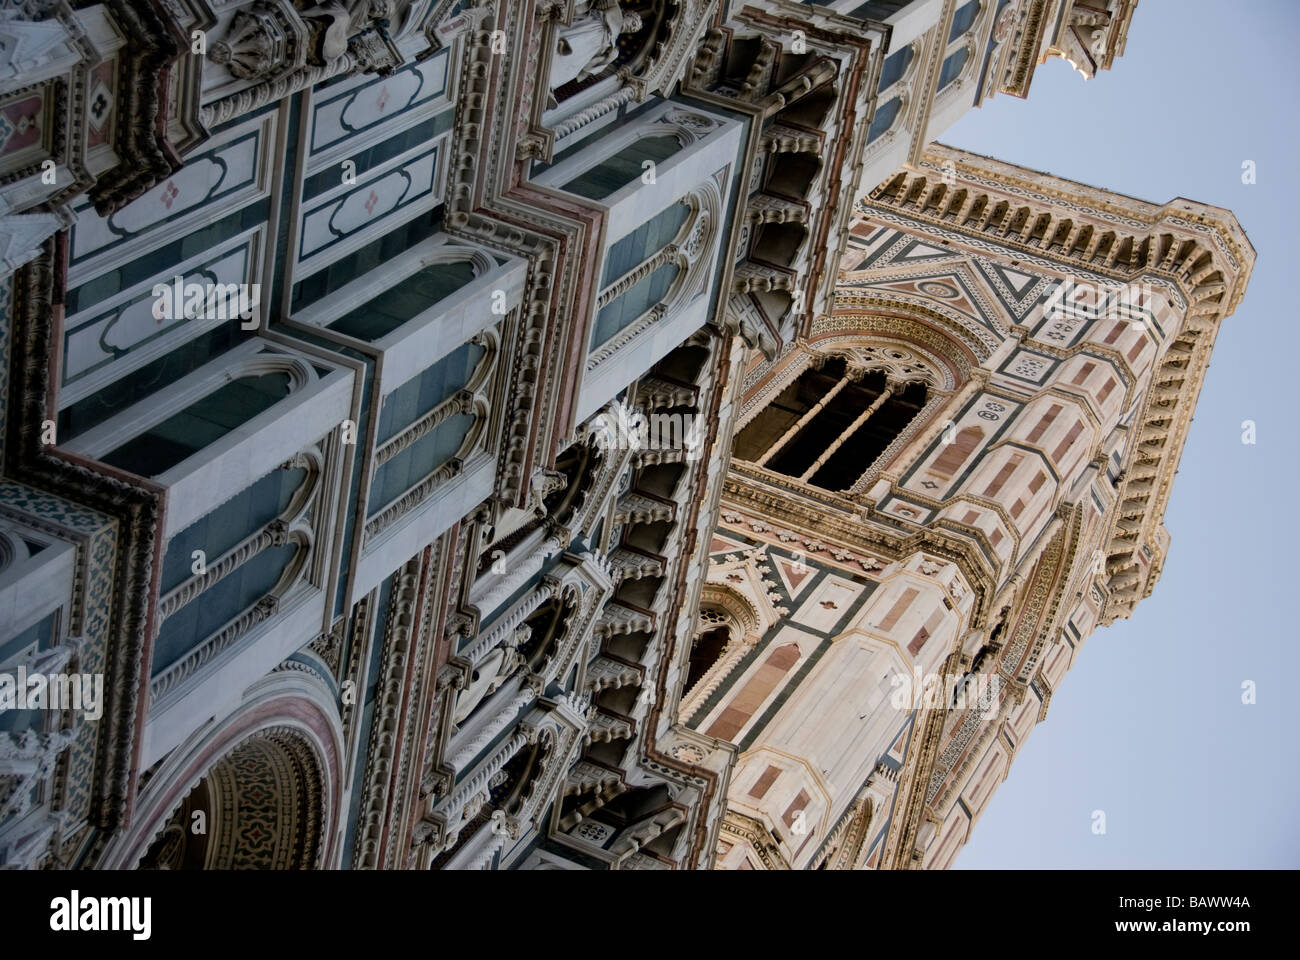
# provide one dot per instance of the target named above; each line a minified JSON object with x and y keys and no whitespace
{"x":735,"y":608}
{"x":728,"y":625}
{"x":834,"y":418}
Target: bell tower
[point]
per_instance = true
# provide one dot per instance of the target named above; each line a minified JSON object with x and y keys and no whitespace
{"x":937,"y":495}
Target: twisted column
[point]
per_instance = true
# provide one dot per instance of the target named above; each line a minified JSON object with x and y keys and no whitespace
{"x":479,"y":781}
{"x":498,"y":723}
{"x":852,"y":429}
{"x":803,"y":421}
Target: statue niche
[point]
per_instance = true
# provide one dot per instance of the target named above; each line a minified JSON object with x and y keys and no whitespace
{"x":266,"y":39}
{"x":337,"y":22}
{"x":590,"y":43}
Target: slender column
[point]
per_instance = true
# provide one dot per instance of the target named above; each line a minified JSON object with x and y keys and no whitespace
{"x":508,"y":623}
{"x":498,"y":723}
{"x":479,"y":781}
{"x":600,"y":108}
{"x":522,"y":570}
{"x":274,"y":534}
{"x":803,"y":421}
{"x":636,"y":274}
{"x":852,"y":429}
{"x":460,"y":402}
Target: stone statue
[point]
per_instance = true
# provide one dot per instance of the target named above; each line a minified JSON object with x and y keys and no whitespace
{"x":590,"y":43}
{"x":489,"y":675}
{"x":342,"y":19}
{"x":255,"y":45}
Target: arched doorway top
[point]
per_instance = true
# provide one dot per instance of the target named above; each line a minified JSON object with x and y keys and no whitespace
{"x":269,"y":777}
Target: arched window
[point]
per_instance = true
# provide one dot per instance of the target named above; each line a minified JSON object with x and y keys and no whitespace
{"x":413,"y":464}
{"x":831,"y":424}
{"x":653,"y":271}
{"x":964,"y":19}
{"x":894,"y":67}
{"x":705,"y":652}
{"x":952,"y":67}
{"x":221,"y":603}
{"x":379,"y":317}
{"x":644,"y":242}
{"x":107,"y":402}
{"x":420,"y":394}
{"x":884,"y":118}
{"x":762,"y":438}
{"x":613,"y":173}
{"x":713,"y":634}
{"x":425,"y":408}
{"x":629,"y":306}
{"x":642,"y":254}
{"x":180,"y":436}
{"x":230,"y":524}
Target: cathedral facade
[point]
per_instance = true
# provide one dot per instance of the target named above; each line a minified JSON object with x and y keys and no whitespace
{"x":559,"y":434}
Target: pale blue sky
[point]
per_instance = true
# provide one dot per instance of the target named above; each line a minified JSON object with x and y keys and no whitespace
{"x":1149,"y":725}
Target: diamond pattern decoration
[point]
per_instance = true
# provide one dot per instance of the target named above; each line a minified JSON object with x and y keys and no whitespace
{"x":100,"y":105}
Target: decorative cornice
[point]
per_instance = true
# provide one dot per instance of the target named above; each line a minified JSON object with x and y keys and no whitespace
{"x":135,"y":503}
